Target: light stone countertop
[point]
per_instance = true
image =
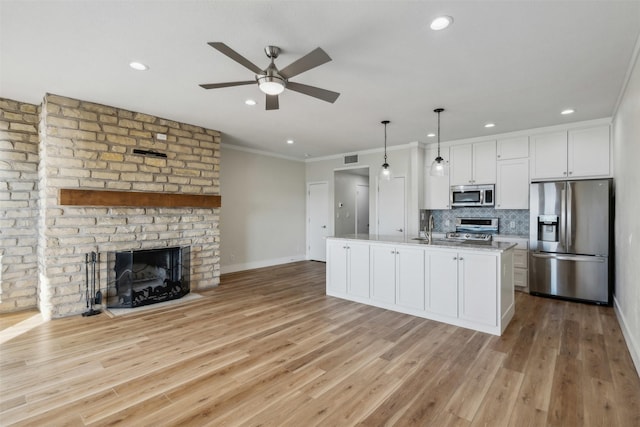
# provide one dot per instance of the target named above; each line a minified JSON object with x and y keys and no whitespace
{"x":437,"y":243}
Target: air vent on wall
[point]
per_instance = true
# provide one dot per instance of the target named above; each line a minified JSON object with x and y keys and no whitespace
{"x":350,"y":159}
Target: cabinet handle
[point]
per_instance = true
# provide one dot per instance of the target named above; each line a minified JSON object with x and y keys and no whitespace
{"x":570,"y":173}
{"x":455,"y":258}
{"x":393,"y":252}
{"x":461,"y":259}
{"x":399,"y":229}
{"x":564,"y":173}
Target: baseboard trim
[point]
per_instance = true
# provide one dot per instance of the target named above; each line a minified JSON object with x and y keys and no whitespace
{"x":632,"y":345}
{"x":224,"y":269}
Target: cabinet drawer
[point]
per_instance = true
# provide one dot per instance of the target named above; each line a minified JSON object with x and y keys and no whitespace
{"x":520,"y":278}
{"x":520,"y":258}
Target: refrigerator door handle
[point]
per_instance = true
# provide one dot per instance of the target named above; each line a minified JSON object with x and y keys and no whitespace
{"x":562,"y":237}
{"x":569,"y":217}
{"x":576,"y":258}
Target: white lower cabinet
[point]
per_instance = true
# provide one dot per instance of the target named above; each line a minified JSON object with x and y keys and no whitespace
{"x":443,"y":283}
{"x":348,"y":268}
{"x":477,"y":278}
{"x":397,"y":275}
{"x":470,"y":288}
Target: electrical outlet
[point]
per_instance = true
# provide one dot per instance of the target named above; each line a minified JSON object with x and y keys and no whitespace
{"x":512,"y":224}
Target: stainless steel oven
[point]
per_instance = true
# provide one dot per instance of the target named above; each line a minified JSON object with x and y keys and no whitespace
{"x":472,"y":195}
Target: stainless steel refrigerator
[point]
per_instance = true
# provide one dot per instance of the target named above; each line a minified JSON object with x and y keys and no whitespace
{"x":571,"y":240}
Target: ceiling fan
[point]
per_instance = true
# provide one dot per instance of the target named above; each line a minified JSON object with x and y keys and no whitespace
{"x":272,"y":81}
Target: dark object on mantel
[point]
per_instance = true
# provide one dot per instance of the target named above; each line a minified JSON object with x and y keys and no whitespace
{"x":74,"y":197}
{"x":149,"y":153}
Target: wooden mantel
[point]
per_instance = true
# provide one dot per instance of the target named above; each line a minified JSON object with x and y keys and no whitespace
{"x":74,"y":197}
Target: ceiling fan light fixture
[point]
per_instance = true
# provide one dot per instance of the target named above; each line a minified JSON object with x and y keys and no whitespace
{"x":271,"y":85}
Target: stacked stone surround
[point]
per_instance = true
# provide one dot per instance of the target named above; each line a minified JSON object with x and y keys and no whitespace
{"x":83,"y":145}
{"x":18,"y":205}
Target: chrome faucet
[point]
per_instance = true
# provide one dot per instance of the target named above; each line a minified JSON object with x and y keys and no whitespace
{"x":428,"y":230}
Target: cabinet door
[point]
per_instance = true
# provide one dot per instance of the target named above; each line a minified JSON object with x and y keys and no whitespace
{"x":443,"y":283}
{"x":513,"y":148}
{"x":549,"y":155}
{"x":337,"y":266}
{"x":410,"y":277}
{"x":484,"y":162}
{"x":436,"y":187}
{"x":478,"y":279}
{"x":383,"y":273}
{"x":512,"y":188}
{"x":461,"y":164}
{"x":588,"y":152}
{"x":358,"y":269}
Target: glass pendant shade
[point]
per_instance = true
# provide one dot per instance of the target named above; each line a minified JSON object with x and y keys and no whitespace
{"x":437,"y":167}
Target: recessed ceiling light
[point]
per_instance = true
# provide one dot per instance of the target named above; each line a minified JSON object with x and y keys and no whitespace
{"x":490,"y":125}
{"x":250,"y":102}
{"x":568,"y":111}
{"x":138,"y":66}
{"x":289,"y":141}
{"x":441,"y":22}
{"x":431,"y":135}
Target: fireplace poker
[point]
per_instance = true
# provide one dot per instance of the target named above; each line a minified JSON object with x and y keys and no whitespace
{"x":91,"y":297}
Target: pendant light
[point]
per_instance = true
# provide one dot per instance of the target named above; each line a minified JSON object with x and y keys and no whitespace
{"x":385,"y":170}
{"x":437,"y":167}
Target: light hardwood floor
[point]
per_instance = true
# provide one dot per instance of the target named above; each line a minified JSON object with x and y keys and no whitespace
{"x":268,"y":348}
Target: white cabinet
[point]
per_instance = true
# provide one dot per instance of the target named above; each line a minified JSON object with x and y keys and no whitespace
{"x":588,"y":152}
{"x":512,"y":188}
{"x":520,"y":261}
{"x":513,"y":148}
{"x":436,"y":187}
{"x":443,"y":283}
{"x":578,"y":153}
{"x":468,"y":288}
{"x":477,"y":278}
{"x":397,"y":275}
{"x":473,"y":163}
{"x":348,"y":268}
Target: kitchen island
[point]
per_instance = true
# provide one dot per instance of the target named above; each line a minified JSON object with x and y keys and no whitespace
{"x":460,"y":283}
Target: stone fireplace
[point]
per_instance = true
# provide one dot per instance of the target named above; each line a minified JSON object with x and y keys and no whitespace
{"x":72,"y":144}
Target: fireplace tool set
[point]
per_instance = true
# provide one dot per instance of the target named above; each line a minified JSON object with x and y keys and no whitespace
{"x":92,"y":296}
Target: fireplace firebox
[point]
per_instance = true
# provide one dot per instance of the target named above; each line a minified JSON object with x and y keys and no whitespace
{"x":143,"y":277}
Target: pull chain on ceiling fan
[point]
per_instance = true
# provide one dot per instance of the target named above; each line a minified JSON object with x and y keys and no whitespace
{"x":272,"y":81}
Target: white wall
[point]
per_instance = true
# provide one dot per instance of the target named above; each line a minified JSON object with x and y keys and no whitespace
{"x":626,"y":146}
{"x":403,"y":161}
{"x":263,"y":210}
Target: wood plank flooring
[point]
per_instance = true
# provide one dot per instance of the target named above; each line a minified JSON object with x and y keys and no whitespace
{"x":268,"y":348}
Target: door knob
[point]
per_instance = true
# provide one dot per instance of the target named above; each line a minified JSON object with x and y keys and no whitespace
{"x":399,"y":229}
{"x":324,"y":226}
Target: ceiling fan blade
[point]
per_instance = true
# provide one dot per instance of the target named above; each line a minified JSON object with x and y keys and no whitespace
{"x":316,"y":92}
{"x":272,"y":102}
{"x":311,"y":60}
{"x":223,"y":48}
{"x":228,"y":84}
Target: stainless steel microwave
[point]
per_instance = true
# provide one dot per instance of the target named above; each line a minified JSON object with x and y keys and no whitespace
{"x":472,"y":195}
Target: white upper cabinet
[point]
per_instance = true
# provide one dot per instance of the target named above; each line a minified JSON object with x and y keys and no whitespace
{"x":473,"y":163}
{"x":512,"y":188}
{"x":436,"y":187}
{"x":578,"y":153}
{"x":589,"y":152}
{"x":513,"y":148}
{"x":549,"y":155}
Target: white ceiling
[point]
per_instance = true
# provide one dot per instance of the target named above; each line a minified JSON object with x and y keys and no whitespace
{"x":515,"y":63}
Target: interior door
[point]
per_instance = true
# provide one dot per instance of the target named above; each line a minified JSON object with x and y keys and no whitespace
{"x":362,"y":209}
{"x":391,"y":207}
{"x":318,"y":220}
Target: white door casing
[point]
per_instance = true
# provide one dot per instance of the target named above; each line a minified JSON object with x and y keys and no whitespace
{"x":362,"y":209}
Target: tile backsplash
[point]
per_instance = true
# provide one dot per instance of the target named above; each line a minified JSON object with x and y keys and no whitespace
{"x":520,"y":218}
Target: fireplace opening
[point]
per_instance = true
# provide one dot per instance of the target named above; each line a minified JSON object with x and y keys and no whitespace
{"x":143,"y":277}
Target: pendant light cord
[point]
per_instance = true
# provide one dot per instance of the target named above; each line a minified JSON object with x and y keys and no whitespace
{"x":385,"y":142}
{"x":438,"y":133}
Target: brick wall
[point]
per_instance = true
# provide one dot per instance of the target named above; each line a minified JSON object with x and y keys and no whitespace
{"x":90,"y":146}
{"x":18,"y":205}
